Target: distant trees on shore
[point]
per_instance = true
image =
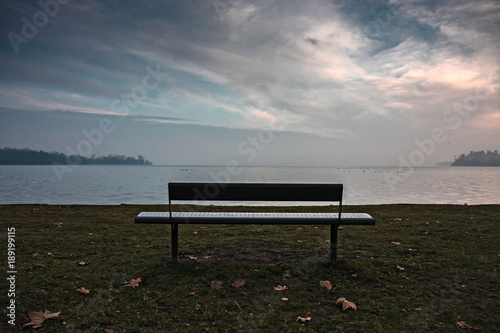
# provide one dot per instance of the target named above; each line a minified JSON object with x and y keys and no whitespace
{"x":478,"y":158}
{"x":12,"y":156}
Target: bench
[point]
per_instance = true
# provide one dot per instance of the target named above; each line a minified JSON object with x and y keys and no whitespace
{"x":254,"y":192}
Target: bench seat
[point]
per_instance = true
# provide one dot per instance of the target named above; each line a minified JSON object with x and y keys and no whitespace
{"x":254,"y":218}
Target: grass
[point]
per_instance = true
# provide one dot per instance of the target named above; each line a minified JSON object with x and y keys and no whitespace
{"x":450,"y":256}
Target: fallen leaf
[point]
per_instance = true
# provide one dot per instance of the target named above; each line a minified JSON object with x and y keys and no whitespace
{"x":192,"y":293}
{"x":463,"y":324}
{"x":280,"y":288}
{"x":192,"y":258}
{"x":397,"y":219}
{"x":303,"y":320}
{"x":133,"y":283}
{"x":216,"y":284}
{"x":238,"y":283}
{"x":107,"y":330}
{"x":195,"y":233}
{"x":83,"y":263}
{"x":83,"y":290}
{"x":396,"y":243}
{"x":346,"y":304}
{"x":50,"y":254}
{"x":37,"y":318}
{"x":287,"y":275}
{"x":35,"y":254}
{"x":59,"y":224}
{"x":136,"y":246}
{"x":284,"y":299}
{"x":299,"y":241}
{"x":412,"y":250}
{"x":400,"y":268}
{"x":326,"y":284}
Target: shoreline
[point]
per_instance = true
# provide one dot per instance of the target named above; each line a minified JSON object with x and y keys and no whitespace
{"x":242,"y":205}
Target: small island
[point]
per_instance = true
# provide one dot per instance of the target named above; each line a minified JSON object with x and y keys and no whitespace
{"x":13,"y":156}
{"x":478,"y":158}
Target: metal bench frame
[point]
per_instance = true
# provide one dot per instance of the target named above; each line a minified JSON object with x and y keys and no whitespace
{"x":254,"y":192}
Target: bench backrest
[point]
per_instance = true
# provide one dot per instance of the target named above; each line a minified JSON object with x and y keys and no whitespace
{"x":255,"y":192}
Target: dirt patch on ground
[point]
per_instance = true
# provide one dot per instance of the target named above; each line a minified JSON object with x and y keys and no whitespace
{"x":249,"y":254}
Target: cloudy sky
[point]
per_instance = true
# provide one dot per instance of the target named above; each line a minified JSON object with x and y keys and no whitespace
{"x":258,"y":81}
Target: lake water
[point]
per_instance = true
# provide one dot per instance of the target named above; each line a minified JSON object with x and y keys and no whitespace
{"x":110,"y":185}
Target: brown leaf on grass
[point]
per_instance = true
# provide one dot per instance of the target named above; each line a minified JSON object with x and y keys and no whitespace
{"x":216,"y":284}
{"x":463,"y":324}
{"x":38,"y":317}
{"x":192,"y":258}
{"x":108,"y":330}
{"x":83,"y":290}
{"x":346,"y":304}
{"x":326,"y":284}
{"x":303,"y":320}
{"x":36,"y":253}
{"x":238,"y":283}
{"x":280,"y":288}
{"x":400,"y":268}
{"x":133,"y":283}
{"x":136,"y":246}
{"x":395,"y":243}
{"x":83,"y":263}
{"x":59,"y":224}
{"x":287,"y":275}
{"x":192,"y":293}
{"x":284,"y":299}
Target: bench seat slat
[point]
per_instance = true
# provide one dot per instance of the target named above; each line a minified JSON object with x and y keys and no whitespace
{"x":254,"y":218}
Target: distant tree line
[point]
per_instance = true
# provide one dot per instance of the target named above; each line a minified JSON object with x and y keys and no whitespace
{"x":12,"y":156}
{"x":478,"y":158}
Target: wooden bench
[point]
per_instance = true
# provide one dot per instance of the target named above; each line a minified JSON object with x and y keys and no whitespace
{"x":254,"y":192}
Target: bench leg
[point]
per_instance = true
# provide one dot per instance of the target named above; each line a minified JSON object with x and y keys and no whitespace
{"x":175,"y":243}
{"x":333,"y":243}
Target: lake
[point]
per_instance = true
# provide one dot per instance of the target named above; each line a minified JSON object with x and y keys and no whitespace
{"x":110,"y":185}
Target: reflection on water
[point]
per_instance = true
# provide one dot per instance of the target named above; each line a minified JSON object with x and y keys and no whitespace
{"x":148,"y":185}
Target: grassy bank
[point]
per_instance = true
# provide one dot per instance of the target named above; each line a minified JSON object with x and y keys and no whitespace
{"x":421,"y":267}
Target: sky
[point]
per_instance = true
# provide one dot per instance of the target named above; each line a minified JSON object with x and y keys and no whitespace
{"x":359,"y":83}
